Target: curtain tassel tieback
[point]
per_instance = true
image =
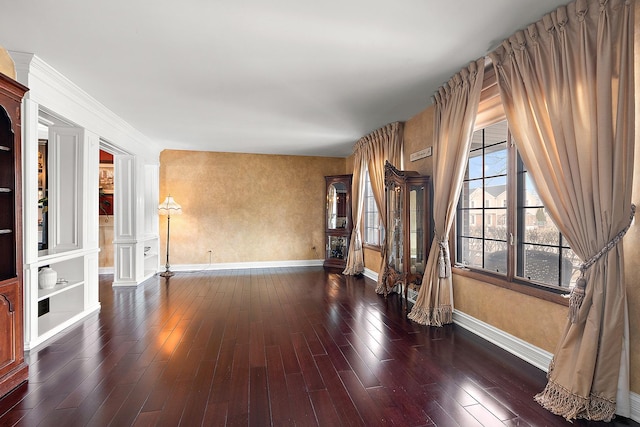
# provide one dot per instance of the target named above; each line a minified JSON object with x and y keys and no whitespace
{"x":578,"y":292}
{"x":444,"y":261}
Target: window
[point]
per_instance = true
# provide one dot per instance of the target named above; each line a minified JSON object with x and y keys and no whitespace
{"x":372,"y":228}
{"x":502,"y":226}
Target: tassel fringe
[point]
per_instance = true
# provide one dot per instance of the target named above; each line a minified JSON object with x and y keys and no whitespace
{"x":576,"y":298}
{"x":561,"y":401}
{"x":432,"y":316}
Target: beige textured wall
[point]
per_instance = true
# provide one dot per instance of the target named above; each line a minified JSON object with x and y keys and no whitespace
{"x":245,"y":207}
{"x":418,"y":135}
{"x":7,"y":66}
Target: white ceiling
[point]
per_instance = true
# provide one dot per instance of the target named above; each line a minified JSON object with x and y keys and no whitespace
{"x":295,"y":77}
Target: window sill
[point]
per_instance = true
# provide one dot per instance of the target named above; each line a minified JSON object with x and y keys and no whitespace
{"x":551,"y":295}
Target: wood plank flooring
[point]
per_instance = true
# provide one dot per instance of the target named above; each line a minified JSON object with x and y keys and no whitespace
{"x":282,"y":347}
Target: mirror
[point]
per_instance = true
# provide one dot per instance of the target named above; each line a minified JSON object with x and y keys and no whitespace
{"x":337,"y":206}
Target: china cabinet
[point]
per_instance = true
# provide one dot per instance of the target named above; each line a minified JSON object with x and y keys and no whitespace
{"x":13,"y":368}
{"x":408,"y":208}
{"x":337,"y":220}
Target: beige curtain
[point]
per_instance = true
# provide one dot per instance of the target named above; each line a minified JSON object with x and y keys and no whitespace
{"x":374,"y":149}
{"x":355,"y":257}
{"x":385,"y":144}
{"x":567,"y":87}
{"x":456,"y":106}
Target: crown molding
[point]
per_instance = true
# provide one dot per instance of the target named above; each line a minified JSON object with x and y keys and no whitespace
{"x":58,"y":95}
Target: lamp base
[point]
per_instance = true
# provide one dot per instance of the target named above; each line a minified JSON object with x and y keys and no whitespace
{"x":167,"y":273}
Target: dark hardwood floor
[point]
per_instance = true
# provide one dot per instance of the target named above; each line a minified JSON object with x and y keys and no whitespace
{"x":292,"y":346}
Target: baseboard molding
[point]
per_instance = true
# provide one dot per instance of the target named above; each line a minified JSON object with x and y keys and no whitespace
{"x":106,"y":270}
{"x":55,"y":332}
{"x":635,"y":407}
{"x":248,"y":265}
{"x":370,"y":274}
{"x":522,"y":349}
{"x":514,"y":345}
{"x":230,"y":266}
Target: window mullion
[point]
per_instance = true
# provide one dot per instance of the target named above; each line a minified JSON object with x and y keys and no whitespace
{"x":513,"y":215}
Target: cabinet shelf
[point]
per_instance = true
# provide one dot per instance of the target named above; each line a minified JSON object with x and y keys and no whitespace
{"x":58,"y":289}
{"x":51,"y":321}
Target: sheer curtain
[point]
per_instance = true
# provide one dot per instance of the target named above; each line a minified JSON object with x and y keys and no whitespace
{"x":373,"y":150}
{"x":456,"y":106}
{"x":566,"y":83}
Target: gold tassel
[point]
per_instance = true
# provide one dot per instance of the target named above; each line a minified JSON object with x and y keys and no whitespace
{"x":576,"y":298}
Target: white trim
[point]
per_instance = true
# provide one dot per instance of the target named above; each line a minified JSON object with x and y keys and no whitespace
{"x":635,"y":406}
{"x":105,"y":270}
{"x":54,"y":333}
{"x":248,"y":265}
{"x":370,"y":274}
{"x":56,"y":93}
{"x":528,"y":352}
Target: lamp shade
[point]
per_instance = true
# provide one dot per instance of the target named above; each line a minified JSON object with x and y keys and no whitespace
{"x":169,"y":207}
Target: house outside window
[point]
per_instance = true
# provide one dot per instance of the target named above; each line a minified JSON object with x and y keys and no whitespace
{"x":372,"y":229}
{"x":502,"y":226}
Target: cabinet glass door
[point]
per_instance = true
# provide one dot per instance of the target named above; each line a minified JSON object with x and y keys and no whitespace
{"x":417,"y":243}
{"x":337,"y":247}
{"x":395,"y":222}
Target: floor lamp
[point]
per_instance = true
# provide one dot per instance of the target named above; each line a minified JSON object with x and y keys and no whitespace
{"x":168,"y":207}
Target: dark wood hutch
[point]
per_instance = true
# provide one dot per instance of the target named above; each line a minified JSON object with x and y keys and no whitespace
{"x":13,"y":368}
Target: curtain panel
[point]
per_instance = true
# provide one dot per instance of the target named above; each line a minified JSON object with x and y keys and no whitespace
{"x":566,"y":84}
{"x":371,"y":152}
{"x":456,"y":105}
{"x":355,"y":256}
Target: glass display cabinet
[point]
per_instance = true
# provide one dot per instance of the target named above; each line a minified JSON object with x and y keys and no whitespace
{"x":409,"y":231}
{"x":337,"y":220}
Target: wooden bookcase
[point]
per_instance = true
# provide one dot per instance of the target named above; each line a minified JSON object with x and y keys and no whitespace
{"x":13,"y":368}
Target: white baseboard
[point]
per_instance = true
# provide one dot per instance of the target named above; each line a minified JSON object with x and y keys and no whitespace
{"x":514,"y":345}
{"x":370,"y":274}
{"x":635,"y":406}
{"x":248,"y":265}
{"x":231,"y":266}
{"x":522,"y":349}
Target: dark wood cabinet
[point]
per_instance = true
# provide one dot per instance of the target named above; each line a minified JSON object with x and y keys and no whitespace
{"x":13,"y":368}
{"x":409,"y":231}
{"x":337,"y":220}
